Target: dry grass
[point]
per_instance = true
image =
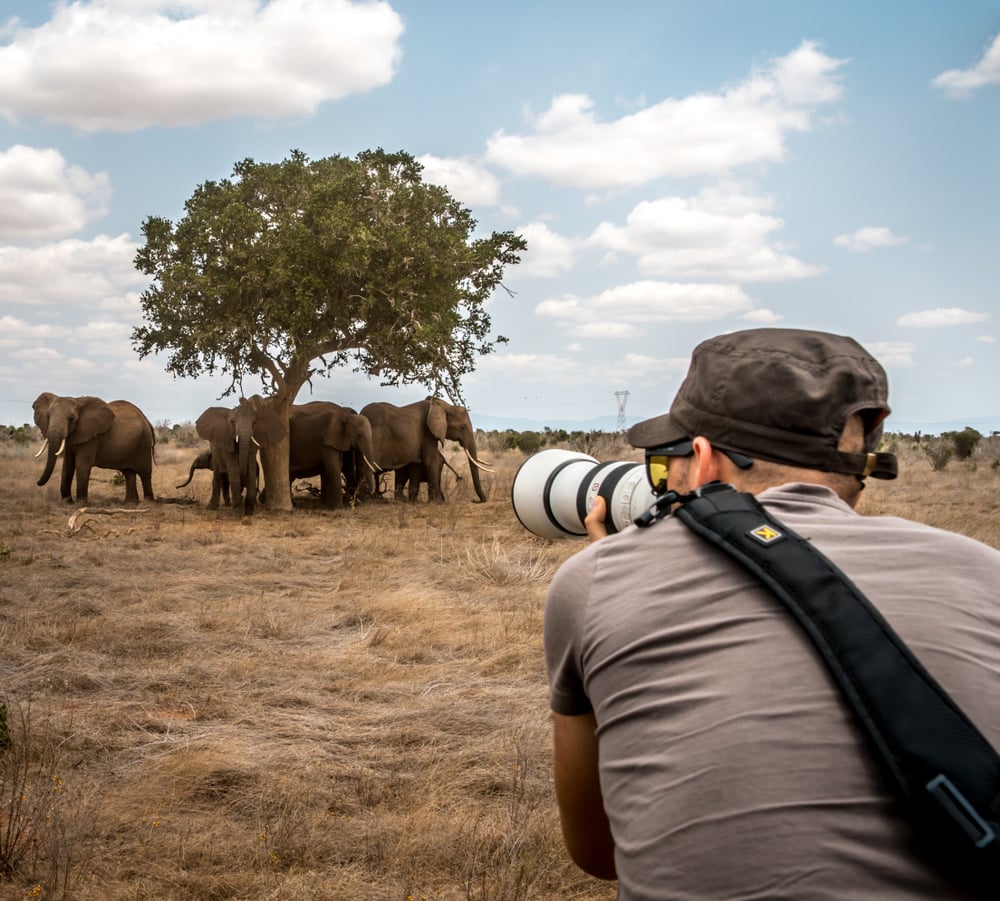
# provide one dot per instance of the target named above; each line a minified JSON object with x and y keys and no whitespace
{"x":324,"y":705}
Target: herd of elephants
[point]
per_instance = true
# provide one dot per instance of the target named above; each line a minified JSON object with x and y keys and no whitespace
{"x":346,"y":449}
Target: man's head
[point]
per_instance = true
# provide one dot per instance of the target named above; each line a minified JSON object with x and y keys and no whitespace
{"x":780,"y":395}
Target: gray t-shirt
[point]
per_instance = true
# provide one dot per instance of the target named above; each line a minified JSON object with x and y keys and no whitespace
{"x":729,"y":765}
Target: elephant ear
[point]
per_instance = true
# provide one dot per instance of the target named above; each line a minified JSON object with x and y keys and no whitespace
{"x":213,"y":425}
{"x":437,"y":419}
{"x":336,"y":435}
{"x":96,"y":417}
{"x":268,"y":429}
{"x":41,"y":408}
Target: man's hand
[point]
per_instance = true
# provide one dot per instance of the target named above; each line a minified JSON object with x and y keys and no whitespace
{"x":594,"y":521}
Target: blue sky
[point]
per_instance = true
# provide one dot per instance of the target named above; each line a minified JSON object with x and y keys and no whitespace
{"x":678,"y":169}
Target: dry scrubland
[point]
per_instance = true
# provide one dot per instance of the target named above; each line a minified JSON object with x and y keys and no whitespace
{"x":323,"y":705}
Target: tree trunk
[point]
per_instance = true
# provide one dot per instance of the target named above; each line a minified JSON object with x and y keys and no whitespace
{"x":274,"y":462}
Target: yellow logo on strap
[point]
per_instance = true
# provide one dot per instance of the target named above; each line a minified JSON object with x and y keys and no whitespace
{"x":765,"y":534}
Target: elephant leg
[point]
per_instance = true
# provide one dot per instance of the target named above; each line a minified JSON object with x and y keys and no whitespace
{"x":147,"y":487}
{"x":82,"y":482}
{"x":131,"y":493}
{"x":66,"y":479}
{"x":332,"y":479}
{"x":217,"y":482}
{"x":433,"y":469}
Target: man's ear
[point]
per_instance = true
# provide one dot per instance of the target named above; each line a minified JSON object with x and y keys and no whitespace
{"x":706,"y":465}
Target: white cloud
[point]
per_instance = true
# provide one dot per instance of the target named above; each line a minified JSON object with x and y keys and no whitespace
{"x":530,"y":368}
{"x":42,"y":197}
{"x":986,"y":339}
{"x":550,"y":369}
{"x":720,"y":234}
{"x":73,"y":272}
{"x":120,"y":65}
{"x":13,"y":332}
{"x":965,"y":362}
{"x":617,"y":311}
{"x":892,"y":353}
{"x":700,"y":134}
{"x":864,"y":239}
{"x":548,"y":254}
{"x":605,"y":329}
{"x":985,"y":72}
{"x":642,"y":369}
{"x":102,"y":336}
{"x":940,"y":317}
{"x":762,"y":317}
{"x":466,"y":180}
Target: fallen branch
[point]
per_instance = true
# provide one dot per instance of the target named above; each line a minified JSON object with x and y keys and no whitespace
{"x":103,"y":511}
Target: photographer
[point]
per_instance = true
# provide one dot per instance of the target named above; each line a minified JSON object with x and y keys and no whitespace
{"x":701,"y":748}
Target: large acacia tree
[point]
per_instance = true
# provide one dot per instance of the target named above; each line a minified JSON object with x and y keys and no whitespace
{"x":291,"y":269}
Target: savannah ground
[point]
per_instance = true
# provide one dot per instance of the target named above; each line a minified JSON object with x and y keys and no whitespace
{"x":316,"y":704}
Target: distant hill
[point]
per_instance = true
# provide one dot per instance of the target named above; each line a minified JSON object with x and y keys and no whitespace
{"x":985,"y":424}
{"x":502,"y":423}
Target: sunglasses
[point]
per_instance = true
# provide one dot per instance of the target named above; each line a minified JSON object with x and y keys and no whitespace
{"x":658,"y":462}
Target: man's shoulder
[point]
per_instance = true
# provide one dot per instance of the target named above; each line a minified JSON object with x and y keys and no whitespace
{"x":820,"y":512}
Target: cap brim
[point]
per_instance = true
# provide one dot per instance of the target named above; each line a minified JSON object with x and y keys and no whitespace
{"x":655,"y":432}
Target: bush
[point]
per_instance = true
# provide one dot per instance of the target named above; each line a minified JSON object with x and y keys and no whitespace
{"x":965,"y":442}
{"x":530,"y":442}
{"x":939,"y":453}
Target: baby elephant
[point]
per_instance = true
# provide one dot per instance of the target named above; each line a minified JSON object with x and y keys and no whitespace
{"x":204,"y":461}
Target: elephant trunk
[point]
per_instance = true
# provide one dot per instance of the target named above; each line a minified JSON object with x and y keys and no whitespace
{"x":194,"y":466}
{"x":50,"y":460}
{"x":474,"y":467}
{"x":246,"y":451}
{"x":369,"y":474}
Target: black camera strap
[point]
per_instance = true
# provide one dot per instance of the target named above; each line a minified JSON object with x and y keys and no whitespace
{"x":939,"y":764}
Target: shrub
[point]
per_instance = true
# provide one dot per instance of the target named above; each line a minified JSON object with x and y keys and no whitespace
{"x":965,"y":442}
{"x":939,"y":453}
{"x":529,"y":442}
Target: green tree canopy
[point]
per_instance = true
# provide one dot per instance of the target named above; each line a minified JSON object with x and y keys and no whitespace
{"x":290,"y":269}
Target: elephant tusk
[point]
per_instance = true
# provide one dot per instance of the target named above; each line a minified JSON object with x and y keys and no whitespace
{"x":62,"y":447}
{"x":255,"y":441}
{"x":41,"y":450}
{"x":485,"y":467}
{"x":369,"y":463}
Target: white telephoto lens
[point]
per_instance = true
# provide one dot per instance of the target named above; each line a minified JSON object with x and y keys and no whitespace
{"x":554,"y":490}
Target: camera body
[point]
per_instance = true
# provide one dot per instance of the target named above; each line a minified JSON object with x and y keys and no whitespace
{"x":554,"y":489}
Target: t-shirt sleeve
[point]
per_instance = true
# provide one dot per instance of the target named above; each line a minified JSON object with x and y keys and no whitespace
{"x":565,"y":617}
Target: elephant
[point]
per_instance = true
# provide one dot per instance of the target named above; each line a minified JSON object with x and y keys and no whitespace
{"x":204,"y":461}
{"x":413,"y":433}
{"x":334,"y":443}
{"x":88,"y":432}
{"x":409,"y":478}
{"x":234,"y":436}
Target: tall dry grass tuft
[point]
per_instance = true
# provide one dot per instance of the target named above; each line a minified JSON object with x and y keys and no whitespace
{"x":321,"y":704}
{"x":44,"y":808}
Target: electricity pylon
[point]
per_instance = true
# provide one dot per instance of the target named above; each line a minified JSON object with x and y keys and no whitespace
{"x":622,"y":398}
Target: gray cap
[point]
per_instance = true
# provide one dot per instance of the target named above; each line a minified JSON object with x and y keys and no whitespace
{"x":782,"y":395}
